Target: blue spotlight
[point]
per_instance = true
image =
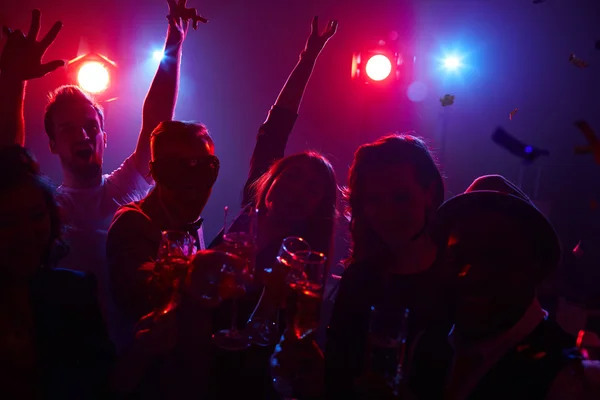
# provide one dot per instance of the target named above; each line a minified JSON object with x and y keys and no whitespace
{"x":452,"y":63}
{"x":158,"y":55}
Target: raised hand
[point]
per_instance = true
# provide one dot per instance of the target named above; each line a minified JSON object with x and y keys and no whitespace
{"x":317,"y":41}
{"x":22,"y":55}
{"x":179,"y":17}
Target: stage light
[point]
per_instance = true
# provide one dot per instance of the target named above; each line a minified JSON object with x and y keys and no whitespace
{"x":158,"y":55}
{"x":452,"y":63}
{"x":378,"y":67}
{"x":95,"y":74}
{"x":93,"y":77}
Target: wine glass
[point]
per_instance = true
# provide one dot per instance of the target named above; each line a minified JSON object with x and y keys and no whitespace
{"x":263,"y":326}
{"x":306,"y":280}
{"x":387,"y":340}
{"x":240,"y":240}
{"x":172,"y":264}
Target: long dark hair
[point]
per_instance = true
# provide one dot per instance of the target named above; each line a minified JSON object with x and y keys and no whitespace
{"x":17,"y":165}
{"x":389,"y":150}
{"x":319,"y":228}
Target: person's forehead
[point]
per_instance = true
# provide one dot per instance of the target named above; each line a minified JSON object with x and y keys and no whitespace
{"x":390,"y":178}
{"x":185,"y":147}
{"x":76,"y":110}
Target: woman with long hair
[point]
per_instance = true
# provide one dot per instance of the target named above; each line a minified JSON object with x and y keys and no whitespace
{"x":295,"y":196}
{"x":53,"y":340}
{"x":394,"y":190}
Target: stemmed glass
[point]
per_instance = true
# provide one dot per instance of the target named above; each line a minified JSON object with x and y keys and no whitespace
{"x":262,"y":328}
{"x":240,"y":240}
{"x":307,"y":280}
{"x":387,"y":339}
{"x":172,"y":264}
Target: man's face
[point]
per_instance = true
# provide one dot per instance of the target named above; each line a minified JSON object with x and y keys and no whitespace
{"x":184,"y":176}
{"x":492,"y":258}
{"x":78,"y":138}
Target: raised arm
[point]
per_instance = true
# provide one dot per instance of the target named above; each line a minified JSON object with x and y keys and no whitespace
{"x":273,"y":134}
{"x":161,"y":99}
{"x":20,"y":61}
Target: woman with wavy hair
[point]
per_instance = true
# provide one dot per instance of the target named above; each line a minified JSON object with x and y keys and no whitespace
{"x":394,"y":190}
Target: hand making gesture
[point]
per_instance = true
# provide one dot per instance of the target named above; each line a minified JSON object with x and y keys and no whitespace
{"x":179,"y":17}
{"x":21,"y":58}
{"x":317,"y":41}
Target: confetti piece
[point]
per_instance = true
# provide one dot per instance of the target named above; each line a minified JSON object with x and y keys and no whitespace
{"x":512,"y":113}
{"x":579,"y":63}
{"x":514,"y":146}
{"x":593,"y":142}
{"x":578,"y":251}
{"x":447,"y":100}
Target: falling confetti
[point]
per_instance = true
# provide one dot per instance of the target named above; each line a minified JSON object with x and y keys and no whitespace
{"x":512,"y":113}
{"x":593,"y":146}
{"x":524,"y":151}
{"x":577,"y":62}
{"x":578,"y":251}
{"x":447,"y":100}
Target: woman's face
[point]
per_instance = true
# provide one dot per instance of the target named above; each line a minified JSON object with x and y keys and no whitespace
{"x":25,"y":230}
{"x":395,"y":205}
{"x":296,"y":192}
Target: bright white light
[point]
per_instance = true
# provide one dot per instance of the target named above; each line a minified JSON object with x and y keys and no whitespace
{"x":93,"y":77}
{"x":452,"y":63}
{"x":158,"y":55}
{"x":378,"y":67}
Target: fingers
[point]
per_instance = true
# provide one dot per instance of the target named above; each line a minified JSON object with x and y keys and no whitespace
{"x":34,"y":28}
{"x":332,"y":28}
{"x":314,"y":28}
{"x":51,"y":66}
{"x":51,"y":35}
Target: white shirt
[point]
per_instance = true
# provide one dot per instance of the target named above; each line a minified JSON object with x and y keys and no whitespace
{"x":88,"y":214}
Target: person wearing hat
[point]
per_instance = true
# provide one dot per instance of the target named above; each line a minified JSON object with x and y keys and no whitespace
{"x":500,"y":247}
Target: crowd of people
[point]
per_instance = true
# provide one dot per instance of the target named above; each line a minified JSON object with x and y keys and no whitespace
{"x":82,"y":315}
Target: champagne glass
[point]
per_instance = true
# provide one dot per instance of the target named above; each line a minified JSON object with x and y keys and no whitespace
{"x":263,"y":326}
{"x":307,"y":281}
{"x":387,"y":340}
{"x":240,"y":240}
{"x":172,"y":264}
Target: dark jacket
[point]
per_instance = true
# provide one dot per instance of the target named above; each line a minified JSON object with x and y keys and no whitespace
{"x":74,"y":352}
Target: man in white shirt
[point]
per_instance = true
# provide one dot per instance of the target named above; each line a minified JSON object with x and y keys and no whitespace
{"x":75,"y":127}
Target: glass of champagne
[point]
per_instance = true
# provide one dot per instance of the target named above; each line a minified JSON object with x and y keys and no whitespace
{"x":387,"y":341}
{"x":172,"y":264}
{"x":306,"y":280}
{"x":239,"y":240}
{"x":263,"y":326}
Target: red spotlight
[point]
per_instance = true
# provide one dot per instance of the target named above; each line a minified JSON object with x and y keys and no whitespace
{"x":94,"y":73}
{"x":376,"y":67}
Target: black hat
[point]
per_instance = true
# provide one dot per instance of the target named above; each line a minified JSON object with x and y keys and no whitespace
{"x":494,"y":192}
